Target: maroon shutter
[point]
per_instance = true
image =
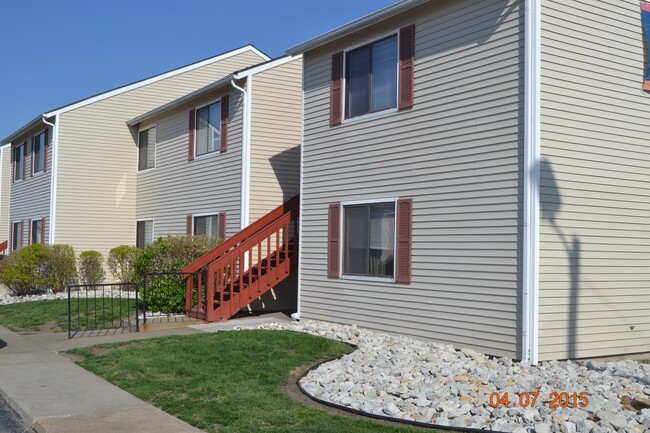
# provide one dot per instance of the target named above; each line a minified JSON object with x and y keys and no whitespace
{"x":333,"y":241}
{"x":190,"y":141}
{"x":221,"y":225}
{"x":223,"y":139}
{"x":336,"y":90}
{"x":188,"y":225}
{"x":406,"y":66}
{"x":404,"y":241}
{"x":45,"y":149}
{"x":25,"y":160}
{"x":42,"y":230}
{"x":31,"y":172}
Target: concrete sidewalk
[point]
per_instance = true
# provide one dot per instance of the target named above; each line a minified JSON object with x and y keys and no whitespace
{"x":54,"y":395}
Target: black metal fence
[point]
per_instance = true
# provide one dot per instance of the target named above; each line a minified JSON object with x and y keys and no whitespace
{"x":103,"y":308}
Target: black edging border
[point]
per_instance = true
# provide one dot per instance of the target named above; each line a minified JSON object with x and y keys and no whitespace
{"x":372,"y":415}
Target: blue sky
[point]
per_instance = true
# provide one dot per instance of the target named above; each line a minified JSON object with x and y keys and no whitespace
{"x":56,"y":52}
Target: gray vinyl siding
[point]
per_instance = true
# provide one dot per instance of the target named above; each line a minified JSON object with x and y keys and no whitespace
{"x":595,"y":243}
{"x":177,"y":187}
{"x":30,"y":197}
{"x":96,"y":191}
{"x":456,"y":153}
{"x":275,"y":137}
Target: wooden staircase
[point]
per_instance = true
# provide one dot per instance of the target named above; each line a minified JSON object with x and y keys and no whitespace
{"x":244,"y":266}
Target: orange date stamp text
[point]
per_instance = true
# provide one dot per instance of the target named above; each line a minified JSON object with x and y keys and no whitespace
{"x":529,"y":399}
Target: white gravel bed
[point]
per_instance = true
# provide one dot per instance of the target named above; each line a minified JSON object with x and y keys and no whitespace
{"x":403,"y":378}
{"x":6,"y":297}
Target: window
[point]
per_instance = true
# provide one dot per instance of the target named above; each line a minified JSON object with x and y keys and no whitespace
{"x":147,"y":149}
{"x":369,"y":239}
{"x":38,"y":153}
{"x":371,"y":78}
{"x":19,"y":161}
{"x":37,"y":232}
{"x":16,"y":241}
{"x":143,"y":233}
{"x":206,"y":225}
{"x":208,"y":129}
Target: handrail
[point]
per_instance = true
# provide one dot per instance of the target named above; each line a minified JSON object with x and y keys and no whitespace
{"x":3,"y":246}
{"x":212,"y":255}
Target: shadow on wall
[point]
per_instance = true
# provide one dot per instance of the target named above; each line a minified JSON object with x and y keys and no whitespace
{"x":286,"y":166}
{"x":550,"y":206}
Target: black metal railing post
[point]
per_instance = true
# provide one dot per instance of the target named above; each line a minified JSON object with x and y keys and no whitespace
{"x":144,"y":299}
{"x":137,"y":312}
{"x":69,"y":313}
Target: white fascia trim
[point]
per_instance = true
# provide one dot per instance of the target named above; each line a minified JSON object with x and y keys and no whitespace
{"x":157,"y":78}
{"x":266,"y":66}
{"x":53,"y":183}
{"x":244,"y":199}
{"x":300,"y":192}
{"x":532,"y":146}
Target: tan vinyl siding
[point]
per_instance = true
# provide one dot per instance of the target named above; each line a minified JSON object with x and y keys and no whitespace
{"x":275,"y":137}
{"x":595,"y":243}
{"x":177,"y":187}
{"x":30,"y":197}
{"x":456,"y":154}
{"x":5,"y":190}
{"x":96,"y":191}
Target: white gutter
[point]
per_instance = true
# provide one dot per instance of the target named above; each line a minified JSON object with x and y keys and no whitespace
{"x":245,"y":153}
{"x":53,"y":170}
{"x":296,"y":315}
{"x":532,"y":145}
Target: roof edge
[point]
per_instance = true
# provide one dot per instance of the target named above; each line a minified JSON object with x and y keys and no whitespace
{"x":356,"y":25}
{"x":31,"y":124}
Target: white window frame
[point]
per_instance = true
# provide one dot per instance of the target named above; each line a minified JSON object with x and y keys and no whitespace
{"x":368,"y":116}
{"x":23,"y":165}
{"x":155,"y":149}
{"x":341,"y":241}
{"x":31,"y":230}
{"x":204,"y":214}
{"x":196,"y":134}
{"x":153,"y":227}
{"x":36,"y":173}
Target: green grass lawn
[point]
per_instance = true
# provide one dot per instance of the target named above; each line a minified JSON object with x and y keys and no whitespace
{"x":52,"y":316}
{"x":226,"y":381}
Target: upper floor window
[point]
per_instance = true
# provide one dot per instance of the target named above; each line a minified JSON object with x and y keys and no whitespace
{"x":371,"y":77}
{"x":147,"y":149}
{"x":19,"y":161}
{"x":208,"y":128}
{"x":38,"y":152}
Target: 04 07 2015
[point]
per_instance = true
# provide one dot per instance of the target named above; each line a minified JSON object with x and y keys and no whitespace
{"x":530,"y":399}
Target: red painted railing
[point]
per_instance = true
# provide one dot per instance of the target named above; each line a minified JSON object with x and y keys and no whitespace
{"x":3,"y":247}
{"x":245,"y":266}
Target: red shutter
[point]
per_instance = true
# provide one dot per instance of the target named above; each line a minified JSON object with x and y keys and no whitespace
{"x":188,"y":225}
{"x":190,"y":141}
{"x":25,"y":160}
{"x":336,"y":90}
{"x":31,"y":172}
{"x":406,"y":66}
{"x":29,"y":233}
{"x":333,"y":241}
{"x":45,"y":148}
{"x":221,"y":225}
{"x":43,"y":230}
{"x":225,"y":106}
{"x":404,"y":241}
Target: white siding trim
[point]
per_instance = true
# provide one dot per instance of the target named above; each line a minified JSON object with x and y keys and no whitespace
{"x":53,"y":169}
{"x":300,"y":192}
{"x":156,"y":78}
{"x":532,"y":144}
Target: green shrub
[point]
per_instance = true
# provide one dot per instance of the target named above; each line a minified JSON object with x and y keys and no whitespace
{"x":91,"y":267}
{"x":22,"y":271}
{"x":60,"y":267}
{"x":166,"y":293}
{"x":121,"y":262}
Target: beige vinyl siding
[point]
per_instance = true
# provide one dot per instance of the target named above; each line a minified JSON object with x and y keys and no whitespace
{"x":5,"y":190}
{"x":96,"y":191}
{"x":275,"y":137}
{"x":177,"y":187}
{"x":595,"y":242}
{"x":30,"y":197}
{"x":456,"y":153}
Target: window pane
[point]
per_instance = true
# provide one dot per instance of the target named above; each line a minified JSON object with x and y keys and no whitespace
{"x":355,"y":240}
{"x":382,"y":239}
{"x":147,"y":149}
{"x":215,"y":126}
{"x":36,"y":232}
{"x":202,"y":130}
{"x":144,"y":233}
{"x":384,"y":74}
{"x":39,"y":152}
{"x":15,"y":241}
{"x":206,"y":225}
{"x":358,"y":81}
{"x":18,"y":156}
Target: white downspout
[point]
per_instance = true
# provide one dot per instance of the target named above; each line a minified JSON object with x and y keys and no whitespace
{"x":532,"y":145}
{"x":245,"y":153}
{"x":53,"y":182}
